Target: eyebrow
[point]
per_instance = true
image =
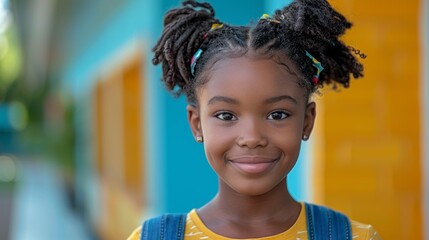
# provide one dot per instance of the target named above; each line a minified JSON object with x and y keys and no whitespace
{"x":281,"y":98}
{"x":216,"y":99}
{"x":271,"y":100}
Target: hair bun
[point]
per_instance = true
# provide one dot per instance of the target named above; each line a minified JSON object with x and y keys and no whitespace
{"x":182,"y":35}
{"x":316,"y":27}
{"x":189,"y":7}
{"x":314,"y":17}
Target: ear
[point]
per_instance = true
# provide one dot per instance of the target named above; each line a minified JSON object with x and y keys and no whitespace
{"x":194,"y":121}
{"x":310,"y":116}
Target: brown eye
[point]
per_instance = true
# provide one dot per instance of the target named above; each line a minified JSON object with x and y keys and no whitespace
{"x":226,"y":116}
{"x":278,"y":115}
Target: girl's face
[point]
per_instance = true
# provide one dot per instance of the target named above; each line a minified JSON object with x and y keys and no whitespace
{"x":252,"y":115}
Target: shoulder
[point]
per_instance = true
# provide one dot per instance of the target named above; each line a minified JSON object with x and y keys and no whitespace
{"x":136,"y":234}
{"x":362,"y":231}
{"x":166,"y":223}
{"x":318,"y":216}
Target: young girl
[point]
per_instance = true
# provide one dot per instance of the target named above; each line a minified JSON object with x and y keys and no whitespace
{"x":249,"y":92}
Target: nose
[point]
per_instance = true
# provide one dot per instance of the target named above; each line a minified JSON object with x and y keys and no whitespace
{"x":252,"y":135}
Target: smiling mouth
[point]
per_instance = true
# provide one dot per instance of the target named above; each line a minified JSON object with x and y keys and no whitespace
{"x":253,"y":165}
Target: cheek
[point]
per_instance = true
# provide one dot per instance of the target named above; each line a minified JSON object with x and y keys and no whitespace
{"x":287,"y":137}
{"x":216,"y":140}
{"x":289,"y":144}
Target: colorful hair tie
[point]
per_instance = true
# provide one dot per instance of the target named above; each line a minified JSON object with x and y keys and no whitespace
{"x":317,"y":65}
{"x":194,"y":60}
{"x":267,"y":17}
{"x":198,"y":53}
{"x":214,"y":27}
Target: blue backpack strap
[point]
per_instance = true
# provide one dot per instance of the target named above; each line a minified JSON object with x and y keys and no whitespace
{"x":324,"y":223}
{"x":164,"y":227}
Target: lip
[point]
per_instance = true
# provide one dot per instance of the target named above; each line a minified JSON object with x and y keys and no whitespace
{"x":253,"y":164}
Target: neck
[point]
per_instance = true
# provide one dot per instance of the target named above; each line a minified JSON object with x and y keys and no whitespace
{"x":275,"y":205}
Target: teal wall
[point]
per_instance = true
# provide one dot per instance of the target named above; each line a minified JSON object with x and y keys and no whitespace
{"x":178,"y":175}
{"x":86,"y":47}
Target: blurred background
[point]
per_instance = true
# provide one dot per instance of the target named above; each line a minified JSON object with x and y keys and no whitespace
{"x":91,"y":144}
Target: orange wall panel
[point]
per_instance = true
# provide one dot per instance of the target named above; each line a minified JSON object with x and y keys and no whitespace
{"x":368,"y":137}
{"x":133,"y":122}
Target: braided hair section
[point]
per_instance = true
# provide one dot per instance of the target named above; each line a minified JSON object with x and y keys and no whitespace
{"x":183,"y":34}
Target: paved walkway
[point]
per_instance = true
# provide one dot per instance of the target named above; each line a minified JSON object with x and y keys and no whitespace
{"x":40,"y":210}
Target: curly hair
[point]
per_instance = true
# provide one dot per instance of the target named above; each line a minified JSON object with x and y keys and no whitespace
{"x":304,"y":25}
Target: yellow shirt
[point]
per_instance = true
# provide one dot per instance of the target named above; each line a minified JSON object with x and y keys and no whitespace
{"x":196,"y":230}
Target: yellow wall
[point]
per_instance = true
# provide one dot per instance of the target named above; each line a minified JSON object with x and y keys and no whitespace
{"x":132,"y":125}
{"x":117,"y":99}
{"x":368,"y":149}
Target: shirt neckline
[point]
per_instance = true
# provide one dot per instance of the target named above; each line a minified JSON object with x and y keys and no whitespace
{"x":289,"y":233}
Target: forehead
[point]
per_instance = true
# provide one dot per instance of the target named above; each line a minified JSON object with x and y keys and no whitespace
{"x":263,"y":77}
{"x":267,"y":65}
